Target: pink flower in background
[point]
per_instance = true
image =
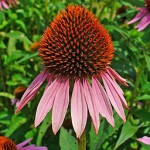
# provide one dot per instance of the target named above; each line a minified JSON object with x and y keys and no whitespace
{"x":143,"y":15}
{"x":7,"y":3}
{"x":77,"y":51}
{"x":145,"y":140}
{"x":7,"y":144}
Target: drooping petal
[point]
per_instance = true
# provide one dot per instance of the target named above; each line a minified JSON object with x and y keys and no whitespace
{"x":60,"y":106}
{"x":145,"y":140}
{"x":113,"y":96}
{"x":4,"y":4}
{"x":24,"y":143}
{"x":92,"y":104}
{"x":32,"y":89}
{"x":0,"y":6}
{"x":50,"y":80}
{"x":14,"y":100}
{"x":145,"y":21}
{"x":46,"y":101}
{"x":117,"y":89}
{"x":78,"y":108}
{"x":104,"y":104}
{"x":140,"y":14}
{"x":33,"y":147}
{"x":117,"y":76}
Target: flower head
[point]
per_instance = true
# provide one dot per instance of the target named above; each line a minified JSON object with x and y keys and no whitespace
{"x":144,"y":15}
{"x":8,"y":144}
{"x":76,"y":48}
{"x":7,"y":3}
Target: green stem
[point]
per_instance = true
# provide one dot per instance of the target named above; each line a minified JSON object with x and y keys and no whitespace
{"x":101,"y":12}
{"x":112,"y":10}
{"x":46,"y":4}
{"x":82,"y":141}
{"x":90,"y":5}
{"x":139,"y":72}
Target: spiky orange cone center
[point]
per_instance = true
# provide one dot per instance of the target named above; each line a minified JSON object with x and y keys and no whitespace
{"x":7,"y":144}
{"x":76,"y":44}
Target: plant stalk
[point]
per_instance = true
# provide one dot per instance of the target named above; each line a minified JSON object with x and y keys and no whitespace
{"x":82,"y":141}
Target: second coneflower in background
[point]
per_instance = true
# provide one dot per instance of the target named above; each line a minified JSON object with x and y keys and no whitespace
{"x":6,"y":4}
{"x":143,"y":16}
{"x":8,"y":144}
{"x":76,"y":48}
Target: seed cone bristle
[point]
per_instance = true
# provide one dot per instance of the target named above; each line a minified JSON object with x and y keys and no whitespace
{"x":7,"y":144}
{"x":76,"y":44}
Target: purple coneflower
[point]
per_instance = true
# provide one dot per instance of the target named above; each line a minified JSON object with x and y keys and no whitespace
{"x":145,"y":140}
{"x":8,"y":144}
{"x":7,"y":3}
{"x":144,"y":15}
{"x":77,"y":51}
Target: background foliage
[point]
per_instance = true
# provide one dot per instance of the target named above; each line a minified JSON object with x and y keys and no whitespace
{"x":22,"y":26}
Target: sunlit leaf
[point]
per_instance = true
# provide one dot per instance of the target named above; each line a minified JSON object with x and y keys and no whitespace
{"x":16,"y":122}
{"x":67,"y":141}
{"x":127,"y":132}
{"x":43,"y":128}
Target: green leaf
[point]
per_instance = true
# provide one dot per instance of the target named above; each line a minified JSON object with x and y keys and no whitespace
{"x":143,"y":97}
{"x":43,"y":128}
{"x":143,"y":115}
{"x":128,"y":131}
{"x":147,"y":58}
{"x":27,"y":57}
{"x":2,"y":44}
{"x":105,"y":131}
{"x":16,"y":122}
{"x":67,"y":141}
{"x":7,"y":95}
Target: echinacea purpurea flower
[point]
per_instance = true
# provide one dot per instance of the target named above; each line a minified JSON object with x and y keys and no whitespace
{"x":76,"y":48}
{"x":7,"y":3}
{"x":143,"y":16}
{"x":8,"y":144}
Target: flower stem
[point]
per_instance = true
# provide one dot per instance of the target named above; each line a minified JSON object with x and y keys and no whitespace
{"x":90,"y":5}
{"x":113,"y":10}
{"x":139,"y":73}
{"x":82,"y":141}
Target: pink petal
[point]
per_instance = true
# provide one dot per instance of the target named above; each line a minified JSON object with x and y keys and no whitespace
{"x":104,"y":104}
{"x":4,"y":4}
{"x":113,"y":96}
{"x":60,"y":106}
{"x":143,"y":20}
{"x":14,"y":100}
{"x":32,"y":89}
{"x":145,"y":140}
{"x":78,"y":108}
{"x":0,"y":6}
{"x":140,"y":14}
{"x":50,"y":79}
{"x":143,"y":23}
{"x":33,"y":147}
{"x":92,"y":104}
{"x":117,"y":76}
{"x":46,"y":101}
{"x":24,"y":143}
{"x":117,"y":89}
